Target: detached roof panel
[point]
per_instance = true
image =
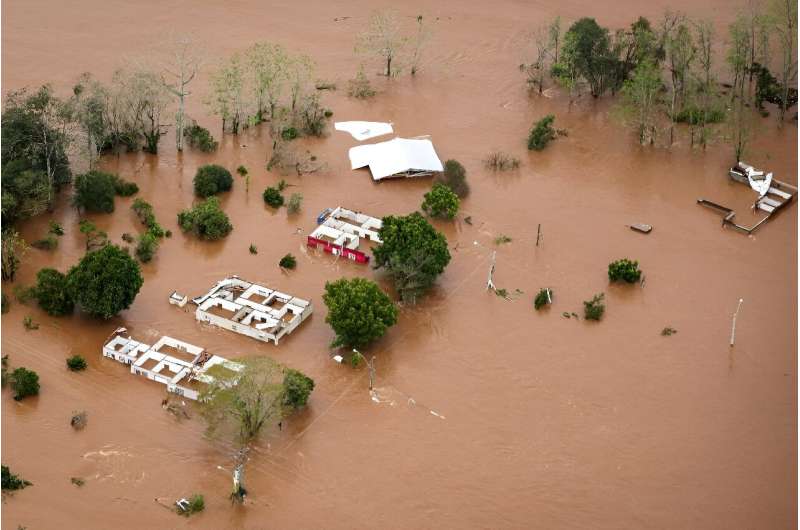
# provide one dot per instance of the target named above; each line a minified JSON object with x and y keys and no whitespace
{"x":399,"y":155}
{"x":364,"y":130}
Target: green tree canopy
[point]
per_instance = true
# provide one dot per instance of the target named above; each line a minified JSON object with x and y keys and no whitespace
{"x":212,"y":179}
{"x":542,"y":133}
{"x":358,"y":311}
{"x":95,"y":191}
{"x":413,"y":253}
{"x":52,"y":292}
{"x":454,"y":177}
{"x":206,"y":220}
{"x":105,"y":281}
{"x":24,"y":383}
{"x":587,"y":50}
{"x":297,"y":387}
{"x":441,"y":202}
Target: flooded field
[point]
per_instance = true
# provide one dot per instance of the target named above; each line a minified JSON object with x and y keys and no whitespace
{"x":489,"y":415}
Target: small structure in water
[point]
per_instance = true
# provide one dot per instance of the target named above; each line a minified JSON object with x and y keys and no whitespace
{"x":641,"y":227}
{"x":340,"y":231}
{"x":251,"y":309}
{"x":178,"y":365}
{"x":178,"y":299}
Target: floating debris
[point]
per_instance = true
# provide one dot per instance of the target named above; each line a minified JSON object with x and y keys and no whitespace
{"x":641,"y":227}
{"x":668,"y":331}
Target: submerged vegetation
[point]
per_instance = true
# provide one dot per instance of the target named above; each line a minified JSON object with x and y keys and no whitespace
{"x":358,"y":311}
{"x":440,"y":202}
{"x":206,"y":220}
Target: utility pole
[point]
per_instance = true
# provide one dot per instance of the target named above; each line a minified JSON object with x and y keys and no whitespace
{"x":370,"y":367}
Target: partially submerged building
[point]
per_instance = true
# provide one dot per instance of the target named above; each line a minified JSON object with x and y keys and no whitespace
{"x":399,"y":157}
{"x":251,"y":309}
{"x":180,"y":366}
{"x":340,"y":232}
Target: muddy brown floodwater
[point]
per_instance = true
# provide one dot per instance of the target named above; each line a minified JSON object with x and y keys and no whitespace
{"x":541,"y":421}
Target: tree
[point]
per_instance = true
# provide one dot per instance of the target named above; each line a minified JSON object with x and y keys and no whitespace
{"x":360,"y":87}
{"x":228,"y":96}
{"x":586,"y":49}
{"x":200,"y":137}
{"x":624,"y":270}
{"x":239,"y":403}
{"x":382,"y":38}
{"x":297,"y":387}
{"x":76,"y":363}
{"x":52,"y":292}
{"x":24,"y":383}
{"x":105,"y":282}
{"x":640,"y":98}
{"x":272,"y":196}
{"x":268,"y":69}
{"x":288,"y":262}
{"x":440,"y":202}
{"x":11,"y":482}
{"x":95,"y":191}
{"x":454,"y":177}
{"x":413,"y":253}
{"x":542,"y":133}
{"x":181,"y":60}
{"x":544,"y":38}
{"x":680,"y":53}
{"x":206,"y":220}
{"x":147,"y":98}
{"x":593,"y":309}
{"x":212,"y":179}
{"x":421,"y":38}
{"x":783,"y":14}
{"x":37,"y":129}
{"x":705,"y":82}
{"x":13,"y":248}
{"x":95,"y":238}
{"x":358,"y":311}
{"x":25,"y":193}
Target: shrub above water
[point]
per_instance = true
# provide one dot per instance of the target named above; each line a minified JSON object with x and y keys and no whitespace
{"x":206,"y":220}
{"x":624,"y":270}
{"x":440,"y":202}
{"x":52,"y":293}
{"x":95,"y":191}
{"x":200,"y":137}
{"x":454,"y":177}
{"x":273,"y":197}
{"x":76,"y":363}
{"x":593,"y":309}
{"x":542,"y":133}
{"x":24,"y":383}
{"x":212,"y":179}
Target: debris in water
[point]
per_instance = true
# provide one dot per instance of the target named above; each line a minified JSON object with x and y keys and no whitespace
{"x":77,"y":481}
{"x":641,"y":227}
{"x":79,"y":420}
{"x":666,"y":332}
{"x":565,"y":314}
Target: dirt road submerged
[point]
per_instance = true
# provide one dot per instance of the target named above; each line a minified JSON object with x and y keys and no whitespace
{"x":540,"y":421}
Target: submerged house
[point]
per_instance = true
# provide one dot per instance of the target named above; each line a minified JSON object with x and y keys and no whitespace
{"x":178,"y":365}
{"x":251,"y":309}
{"x":399,"y":157}
{"x":340,"y":232}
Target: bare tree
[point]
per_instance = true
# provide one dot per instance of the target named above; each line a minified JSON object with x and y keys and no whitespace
{"x":783,"y":14}
{"x":182,"y":59}
{"x":268,"y":69}
{"x":705,"y":80}
{"x":147,"y":99}
{"x":421,"y":38}
{"x":382,"y":38}
{"x":542,"y":47}
{"x":680,"y":53}
{"x":228,"y":98}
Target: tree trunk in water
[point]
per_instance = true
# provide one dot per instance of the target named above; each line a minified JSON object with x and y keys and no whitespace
{"x":389,"y":67}
{"x":179,"y":122}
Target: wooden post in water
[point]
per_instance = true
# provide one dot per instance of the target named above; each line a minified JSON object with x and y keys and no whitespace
{"x":371,"y":366}
{"x":733,"y":325}
{"x":489,"y":281}
{"x":538,"y":234}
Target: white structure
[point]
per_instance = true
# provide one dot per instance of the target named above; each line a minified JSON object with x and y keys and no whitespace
{"x":364,"y":130}
{"x":251,"y":309}
{"x":178,"y":299}
{"x":178,"y":365}
{"x":340,"y":231}
{"x":398,"y":157}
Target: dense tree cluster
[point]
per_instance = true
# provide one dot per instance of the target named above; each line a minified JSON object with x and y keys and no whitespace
{"x":358,"y":311}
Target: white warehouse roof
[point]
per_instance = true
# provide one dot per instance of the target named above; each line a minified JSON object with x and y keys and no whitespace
{"x":398,"y":156}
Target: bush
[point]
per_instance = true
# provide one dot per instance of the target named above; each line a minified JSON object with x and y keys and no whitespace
{"x":76,"y":363}
{"x":273,"y":197}
{"x":147,"y":247}
{"x":542,"y":133}
{"x":594,"y":308}
{"x":29,"y":324}
{"x":455,"y":178}
{"x":288,"y":262}
{"x":294,"y":204}
{"x":126,"y":237}
{"x":253,"y":249}
{"x":94,"y":191}
{"x":47,"y":243}
{"x":212,"y":179}
{"x":413,"y":253}
{"x":440,"y":202}
{"x":693,"y":115}
{"x":55,"y":228}
{"x":52,"y":293}
{"x":206,"y":220}
{"x":500,"y":161}
{"x":200,"y":137}
{"x":358,"y":311}
{"x":79,"y":420}
{"x":360,"y":87}
{"x":24,"y":294}
{"x":543,"y":297}
{"x":144,"y":211}
{"x":24,"y":383}
{"x":11,"y":481}
{"x":297,"y":387}
{"x":105,"y":282}
{"x":125,"y":188}
{"x":196,"y":504}
{"x":624,"y":270}
{"x":242,"y":171}
{"x":289,"y":133}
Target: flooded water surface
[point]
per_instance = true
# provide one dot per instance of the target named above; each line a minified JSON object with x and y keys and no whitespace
{"x":486,"y":413}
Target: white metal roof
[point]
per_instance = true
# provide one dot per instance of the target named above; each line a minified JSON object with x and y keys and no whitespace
{"x":364,"y":130}
{"x":395,"y":156}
